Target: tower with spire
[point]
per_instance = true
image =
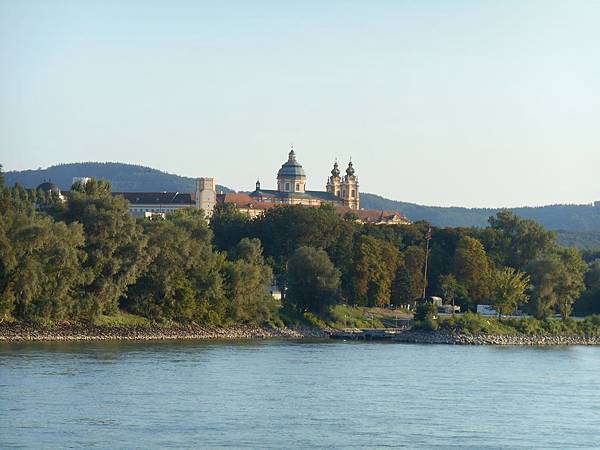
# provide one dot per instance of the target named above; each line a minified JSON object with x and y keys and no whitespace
{"x":291,"y":187}
{"x":349,"y":187}
{"x":334,"y":182}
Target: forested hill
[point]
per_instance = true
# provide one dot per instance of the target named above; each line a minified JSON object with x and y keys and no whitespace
{"x":553,"y":217}
{"x":129,"y":177}
{"x":124,"y":177}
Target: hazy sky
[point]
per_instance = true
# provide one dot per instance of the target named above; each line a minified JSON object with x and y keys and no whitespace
{"x":471,"y":103}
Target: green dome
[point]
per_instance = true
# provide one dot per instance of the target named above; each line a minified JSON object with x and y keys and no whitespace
{"x":291,"y":168}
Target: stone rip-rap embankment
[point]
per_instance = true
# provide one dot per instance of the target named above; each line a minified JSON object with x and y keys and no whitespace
{"x":455,"y":338}
{"x":81,"y":332}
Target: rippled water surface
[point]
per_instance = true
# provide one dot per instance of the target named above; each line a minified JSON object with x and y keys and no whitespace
{"x":282,"y":394}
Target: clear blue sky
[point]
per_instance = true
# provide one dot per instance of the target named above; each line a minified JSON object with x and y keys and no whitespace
{"x":471,"y":103}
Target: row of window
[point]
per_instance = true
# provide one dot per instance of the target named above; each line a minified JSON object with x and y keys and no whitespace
{"x":141,"y":210}
{"x":161,"y":209}
{"x":352,"y":194}
{"x":287,"y":187}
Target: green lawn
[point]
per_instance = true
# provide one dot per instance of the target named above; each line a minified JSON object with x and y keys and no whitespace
{"x":122,"y":319}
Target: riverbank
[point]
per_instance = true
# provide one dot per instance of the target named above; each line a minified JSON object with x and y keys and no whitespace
{"x":454,"y":338}
{"x":15,"y":332}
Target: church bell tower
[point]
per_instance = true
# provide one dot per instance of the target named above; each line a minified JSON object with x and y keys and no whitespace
{"x":349,"y":187}
{"x":334,"y":182}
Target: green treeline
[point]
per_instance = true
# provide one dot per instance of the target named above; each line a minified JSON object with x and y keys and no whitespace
{"x":513,"y":263}
{"x":87,"y":257}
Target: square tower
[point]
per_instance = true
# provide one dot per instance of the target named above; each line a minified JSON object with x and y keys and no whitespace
{"x":206,"y":194}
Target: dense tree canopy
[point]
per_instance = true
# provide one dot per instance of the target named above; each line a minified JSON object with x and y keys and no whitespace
{"x":589,"y":303}
{"x":472,"y":268}
{"x":40,"y":267}
{"x":313,"y":280}
{"x":115,"y":245}
{"x":374,"y":269}
{"x":558,"y":280}
{"x":247,"y":281}
{"x":87,"y":257}
{"x":508,"y":289}
{"x":514,"y":241}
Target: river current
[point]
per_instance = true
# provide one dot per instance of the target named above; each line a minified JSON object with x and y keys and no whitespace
{"x":305,"y":394}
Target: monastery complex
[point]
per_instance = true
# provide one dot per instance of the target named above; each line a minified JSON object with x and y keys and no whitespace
{"x":341,"y":191}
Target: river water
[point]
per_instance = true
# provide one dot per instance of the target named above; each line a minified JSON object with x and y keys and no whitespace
{"x":284,"y":394}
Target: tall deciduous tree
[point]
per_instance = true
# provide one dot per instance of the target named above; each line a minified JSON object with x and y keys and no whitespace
{"x":206,"y":265}
{"x":515,"y":241}
{"x":284,"y":229}
{"x":114,"y":245}
{"x":229,"y":226}
{"x":313,"y":280}
{"x":558,"y":280}
{"x":40,"y":264}
{"x":472,"y":268}
{"x":508,"y":289}
{"x":375,"y":265}
{"x":164,"y":289}
{"x":409,"y":280}
{"x":571,"y":284}
{"x":247,"y":281}
{"x":589,"y":303}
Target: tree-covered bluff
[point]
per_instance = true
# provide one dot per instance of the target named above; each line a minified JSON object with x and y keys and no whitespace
{"x":87,"y":258}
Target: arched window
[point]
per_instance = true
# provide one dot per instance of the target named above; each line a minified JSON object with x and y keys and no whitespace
{"x":287,"y":186}
{"x":297,"y":187}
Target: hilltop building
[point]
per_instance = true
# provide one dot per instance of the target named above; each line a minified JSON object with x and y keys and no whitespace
{"x":291,"y":187}
{"x":342,"y":192}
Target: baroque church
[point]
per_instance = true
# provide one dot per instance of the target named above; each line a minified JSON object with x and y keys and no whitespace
{"x":291,"y":187}
{"x":341,"y":191}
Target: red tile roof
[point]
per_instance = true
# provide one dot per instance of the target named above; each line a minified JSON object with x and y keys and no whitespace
{"x":243,"y":201}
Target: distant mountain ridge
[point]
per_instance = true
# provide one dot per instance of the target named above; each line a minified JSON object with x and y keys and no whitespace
{"x":124,"y":177}
{"x":553,"y":217}
{"x":581,"y":222}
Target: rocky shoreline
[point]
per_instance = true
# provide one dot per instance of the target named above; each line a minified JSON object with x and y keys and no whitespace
{"x":454,"y":338}
{"x":16,"y":332}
